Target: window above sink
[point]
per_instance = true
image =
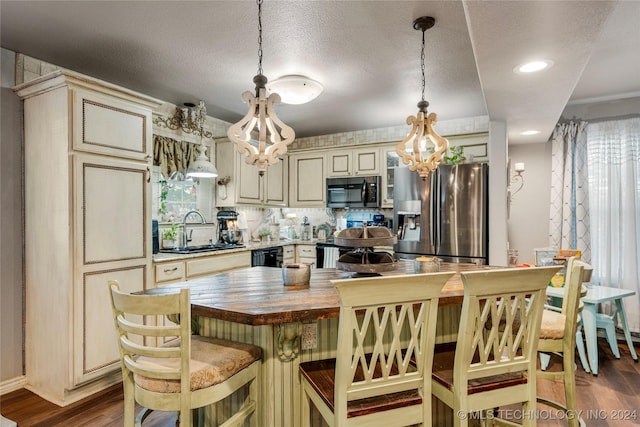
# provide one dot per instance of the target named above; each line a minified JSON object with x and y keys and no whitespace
{"x":175,"y":196}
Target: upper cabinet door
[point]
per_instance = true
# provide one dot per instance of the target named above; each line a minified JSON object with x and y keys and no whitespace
{"x":308,"y":180}
{"x":249,"y":182}
{"x":111,"y":202}
{"x":276,"y":184}
{"x":339,"y":163}
{"x":366,"y":161}
{"x":353,"y":162}
{"x":105,"y":124}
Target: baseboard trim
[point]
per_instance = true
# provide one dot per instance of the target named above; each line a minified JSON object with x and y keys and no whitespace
{"x":13,"y":384}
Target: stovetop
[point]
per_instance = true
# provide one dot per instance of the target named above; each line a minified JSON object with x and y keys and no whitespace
{"x":203,"y":248}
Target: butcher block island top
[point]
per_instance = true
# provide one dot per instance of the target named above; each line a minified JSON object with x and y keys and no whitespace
{"x":257,"y":296}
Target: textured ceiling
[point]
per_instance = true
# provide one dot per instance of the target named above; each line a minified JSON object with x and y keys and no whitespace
{"x":365,"y":53}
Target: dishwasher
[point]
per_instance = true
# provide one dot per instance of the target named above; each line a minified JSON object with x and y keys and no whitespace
{"x":267,"y":257}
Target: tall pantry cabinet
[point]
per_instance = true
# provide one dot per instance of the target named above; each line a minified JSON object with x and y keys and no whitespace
{"x":87,"y":220}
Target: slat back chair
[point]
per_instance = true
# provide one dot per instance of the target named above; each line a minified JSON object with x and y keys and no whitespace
{"x":386,"y":323}
{"x":493,"y":362}
{"x":558,"y":336}
{"x":181,"y":373}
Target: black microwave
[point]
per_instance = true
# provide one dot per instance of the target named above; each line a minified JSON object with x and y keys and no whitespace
{"x":355,"y":192}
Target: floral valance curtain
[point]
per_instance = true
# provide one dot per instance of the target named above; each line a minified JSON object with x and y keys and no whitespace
{"x":173,"y":155}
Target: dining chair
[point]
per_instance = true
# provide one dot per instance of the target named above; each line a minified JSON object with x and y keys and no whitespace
{"x":386,"y":323}
{"x":493,"y":361}
{"x":165,"y":368}
{"x":558,"y":334}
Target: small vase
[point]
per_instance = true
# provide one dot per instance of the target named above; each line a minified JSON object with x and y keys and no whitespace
{"x":168,"y":244}
{"x":265,"y":239}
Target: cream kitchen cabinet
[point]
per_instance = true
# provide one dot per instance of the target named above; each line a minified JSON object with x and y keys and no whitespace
{"x":390,"y":161}
{"x":308,"y":179}
{"x":353,"y":162}
{"x":288,"y":254}
{"x":246,"y":186}
{"x":87,"y":221}
{"x":176,"y":270}
{"x":306,"y":254}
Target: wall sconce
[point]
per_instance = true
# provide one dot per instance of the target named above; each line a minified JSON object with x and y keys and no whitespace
{"x":517,"y":179}
{"x":518,"y":168}
{"x":222,"y":183}
{"x":189,"y":119}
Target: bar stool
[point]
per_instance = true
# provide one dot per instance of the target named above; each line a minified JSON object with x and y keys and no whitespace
{"x":493,"y":362}
{"x":558,"y":337}
{"x":386,"y":334}
{"x":185,"y":372}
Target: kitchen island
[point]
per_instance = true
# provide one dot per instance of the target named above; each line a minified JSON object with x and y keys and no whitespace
{"x":292,"y":324}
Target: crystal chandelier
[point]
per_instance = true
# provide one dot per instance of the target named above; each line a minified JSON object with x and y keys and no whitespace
{"x":273,"y":135}
{"x":414,"y":150}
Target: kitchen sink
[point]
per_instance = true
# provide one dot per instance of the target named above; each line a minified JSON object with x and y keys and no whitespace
{"x":202,"y":248}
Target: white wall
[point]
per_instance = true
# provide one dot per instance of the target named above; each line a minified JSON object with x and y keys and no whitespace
{"x":497,"y":193}
{"x":528,"y":224}
{"x":11,"y":256}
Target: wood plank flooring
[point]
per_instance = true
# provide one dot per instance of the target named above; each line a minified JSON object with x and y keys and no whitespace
{"x":606,"y":400}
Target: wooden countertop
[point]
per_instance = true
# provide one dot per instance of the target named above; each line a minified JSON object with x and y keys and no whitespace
{"x":257,"y":296}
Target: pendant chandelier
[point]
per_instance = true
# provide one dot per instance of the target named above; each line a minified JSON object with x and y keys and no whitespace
{"x":415,"y":150}
{"x":201,"y":167}
{"x":273,"y":135}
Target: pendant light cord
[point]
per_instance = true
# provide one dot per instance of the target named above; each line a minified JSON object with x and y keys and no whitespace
{"x":422,"y":66}
{"x":259,"y":2}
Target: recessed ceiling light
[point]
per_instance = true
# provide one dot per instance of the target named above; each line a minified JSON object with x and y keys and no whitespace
{"x":530,"y":132}
{"x":533,"y":66}
{"x":295,"y":89}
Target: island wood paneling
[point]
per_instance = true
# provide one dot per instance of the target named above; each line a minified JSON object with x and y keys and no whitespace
{"x":253,"y":306}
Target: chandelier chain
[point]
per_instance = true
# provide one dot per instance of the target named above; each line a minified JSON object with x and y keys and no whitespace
{"x":259,"y":2}
{"x":422,"y":66}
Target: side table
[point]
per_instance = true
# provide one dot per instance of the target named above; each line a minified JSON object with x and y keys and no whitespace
{"x":591,"y":320}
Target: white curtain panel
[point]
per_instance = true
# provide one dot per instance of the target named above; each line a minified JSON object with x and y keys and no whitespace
{"x":614,"y":193}
{"x":569,"y":225}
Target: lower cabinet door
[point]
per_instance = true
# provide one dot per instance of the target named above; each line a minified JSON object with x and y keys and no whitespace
{"x":95,"y":346}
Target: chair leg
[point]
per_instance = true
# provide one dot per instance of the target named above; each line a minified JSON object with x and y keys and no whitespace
{"x":569,"y":376}
{"x":184,"y":418}
{"x":581,"y":350}
{"x":544,"y":361}
{"x":256,"y":417}
{"x":129,"y":403}
{"x":610,"y":330}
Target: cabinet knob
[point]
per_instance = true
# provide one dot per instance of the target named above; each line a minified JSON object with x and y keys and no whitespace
{"x":170,"y":270}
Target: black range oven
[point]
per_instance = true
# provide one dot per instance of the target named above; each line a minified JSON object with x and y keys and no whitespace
{"x":267,"y":257}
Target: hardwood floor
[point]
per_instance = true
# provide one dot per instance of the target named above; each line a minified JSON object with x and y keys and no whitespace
{"x":609,"y":399}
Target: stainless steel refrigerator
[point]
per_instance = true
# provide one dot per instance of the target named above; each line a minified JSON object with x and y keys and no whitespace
{"x":445,"y":215}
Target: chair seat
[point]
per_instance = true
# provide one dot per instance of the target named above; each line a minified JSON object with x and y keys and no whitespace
{"x":443,"y":360}
{"x":212,"y":362}
{"x":321,"y":373}
{"x":553,"y":324}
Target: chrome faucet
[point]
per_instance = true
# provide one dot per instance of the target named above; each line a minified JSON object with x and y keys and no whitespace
{"x":185,"y":238}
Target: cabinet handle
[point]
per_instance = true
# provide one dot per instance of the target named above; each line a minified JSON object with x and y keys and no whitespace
{"x":170,"y":270}
{"x":148,"y":174}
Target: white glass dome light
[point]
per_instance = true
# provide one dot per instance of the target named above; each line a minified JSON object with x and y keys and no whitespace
{"x":295,"y":89}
